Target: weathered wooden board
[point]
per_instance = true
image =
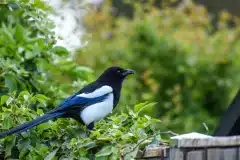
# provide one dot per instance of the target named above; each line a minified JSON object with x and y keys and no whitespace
{"x":195,"y":155}
{"x":207,"y":142}
{"x":214,"y":154}
{"x":156,"y":152}
{"x":176,"y":154}
{"x":230,"y":153}
{"x":196,"y":147}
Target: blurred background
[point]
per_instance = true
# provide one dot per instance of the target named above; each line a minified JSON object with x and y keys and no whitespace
{"x":185,"y":53}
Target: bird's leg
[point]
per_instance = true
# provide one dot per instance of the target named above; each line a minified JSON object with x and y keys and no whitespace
{"x":90,"y":127}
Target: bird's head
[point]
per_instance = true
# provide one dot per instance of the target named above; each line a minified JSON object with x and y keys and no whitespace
{"x":115,"y":74}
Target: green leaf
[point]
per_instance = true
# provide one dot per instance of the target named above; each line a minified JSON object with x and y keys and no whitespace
{"x":42,"y":127}
{"x":105,"y":138}
{"x":105,"y":151}
{"x":23,"y":145}
{"x":9,"y":146}
{"x":10,"y":82}
{"x":19,"y":33}
{"x":21,"y":94}
{"x":13,"y":6}
{"x":90,"y":145}
{"x":9,"y":101}
{"x":7,"y":123}
{"x":39,"y":111}
{"x":154,"y":120}
{"x":51,"y":155}
{"x":4,"y":98}
{"x":132,"y":154}
{"x":59,"y":50}
{"x":41,"y":99}
{"x":41,"y":96}
{"x":146,"y":106}
{"x":137,"y":107}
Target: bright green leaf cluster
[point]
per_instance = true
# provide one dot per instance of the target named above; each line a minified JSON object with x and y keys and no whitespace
{"x":113,"y":137}
{"x":35,"y":75}
{"x":29,"y":59}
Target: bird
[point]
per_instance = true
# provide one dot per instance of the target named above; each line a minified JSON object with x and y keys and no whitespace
{"x":87,"y":106}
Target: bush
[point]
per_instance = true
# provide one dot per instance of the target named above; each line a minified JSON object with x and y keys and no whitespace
{"x":66,"y":139}
{"x":185,"y":64}
{"x":35,"y":75}
{"x":29,"y":59}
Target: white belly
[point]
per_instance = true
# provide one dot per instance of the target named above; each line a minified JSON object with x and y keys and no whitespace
{"x":97,"y":111}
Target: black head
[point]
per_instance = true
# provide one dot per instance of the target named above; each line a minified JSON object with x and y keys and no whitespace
{"x":115,"y":75}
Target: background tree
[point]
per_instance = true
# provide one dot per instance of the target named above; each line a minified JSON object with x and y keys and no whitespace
{"x":184,"y":63}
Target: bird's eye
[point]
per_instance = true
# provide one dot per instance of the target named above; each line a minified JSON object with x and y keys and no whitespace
{"x":118,"y":71}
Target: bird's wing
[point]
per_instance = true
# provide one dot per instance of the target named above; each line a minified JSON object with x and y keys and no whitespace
{"x":81,"y":100}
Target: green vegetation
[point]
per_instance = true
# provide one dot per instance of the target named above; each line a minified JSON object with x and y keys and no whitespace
{"x":185,"y":64}
{"x":35,"y":75}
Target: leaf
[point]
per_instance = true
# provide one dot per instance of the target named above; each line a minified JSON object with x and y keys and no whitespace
{"x":132,"y":154}
{"x":42,"y":127}
{"x":7,"y":123}
{"x":4,"y":98}
{"x":104,"y":138}
{"x":21,"y":94}
{"x":146,"y":106}
{"x":13,"y":6}
{"x":19,"y":33}
{"x":39,"y":111}
{"x":154,"y":120}
{"x":59,"y":50}
{"x":10,"y":82}
{"x":41,"y":99}
{"x":9,"y":101}
{"x":105,"y":151}
{"x":41,"y":96}
{"x":23,"y":145}
{"x":90,"y":145}
{"x":51,"y":155}
{"x":137,"y":107}
{"x":9,"y":146}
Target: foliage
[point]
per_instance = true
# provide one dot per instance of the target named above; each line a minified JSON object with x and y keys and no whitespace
{"x":29,"y":59}
{"x":35,"y":75}
{"x":111,"y":138}
{"x":183,"y":62}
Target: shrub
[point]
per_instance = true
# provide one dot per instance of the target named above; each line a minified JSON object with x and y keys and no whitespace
{"x":66,"y":139}
{"x":35,"y":75}
{"x":29,"y":59}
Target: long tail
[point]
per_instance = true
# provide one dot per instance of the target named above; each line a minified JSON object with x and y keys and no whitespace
{"x":28,"y":125}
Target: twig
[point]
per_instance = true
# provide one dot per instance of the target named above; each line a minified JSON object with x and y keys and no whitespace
{"x":132,"y":149}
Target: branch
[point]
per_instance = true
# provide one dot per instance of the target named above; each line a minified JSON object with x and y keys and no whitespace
{"x":140,"y":142}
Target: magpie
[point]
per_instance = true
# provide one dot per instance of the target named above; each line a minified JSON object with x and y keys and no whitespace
{"x":92,"y":103}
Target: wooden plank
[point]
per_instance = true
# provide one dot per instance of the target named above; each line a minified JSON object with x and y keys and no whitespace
{"x":160,"y":151}
{"x":238,"y":154}
{"x":214,"y":154}
{"x":230,"y":153}
{"x":206,"y":142}
{"x":176,"y":154}
{"x":195,"y":155}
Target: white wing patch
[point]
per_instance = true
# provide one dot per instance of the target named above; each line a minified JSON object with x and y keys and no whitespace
{"x":97,"y":111}
{"x":97,"y":93}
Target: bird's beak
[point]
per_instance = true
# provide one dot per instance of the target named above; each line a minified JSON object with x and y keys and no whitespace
{"x":128,"y":72}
